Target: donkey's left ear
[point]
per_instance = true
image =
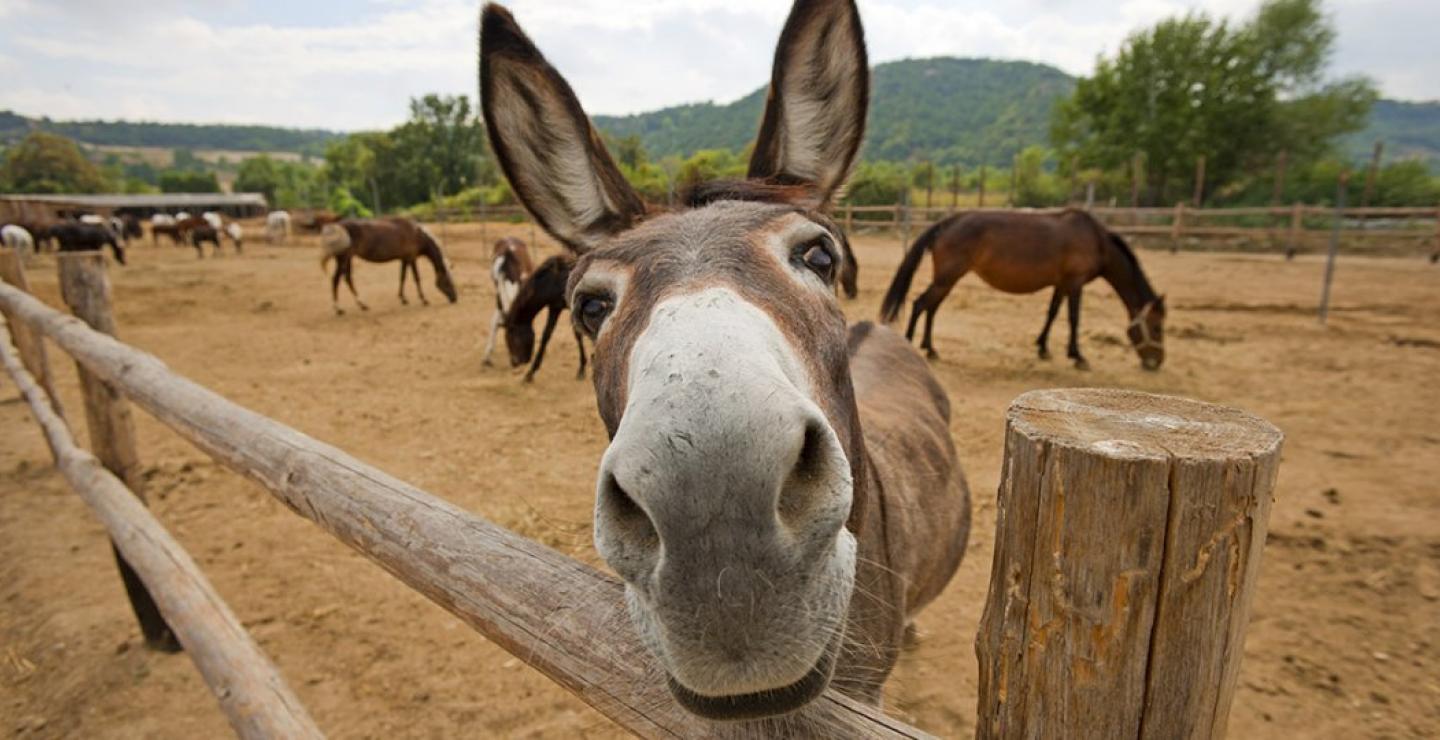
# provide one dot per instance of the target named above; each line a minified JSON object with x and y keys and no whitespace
{"x":551,"y":154}
{"x":819,"y":94}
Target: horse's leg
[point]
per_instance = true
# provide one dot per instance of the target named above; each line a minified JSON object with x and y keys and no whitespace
{"x":415,"y":273}
{"x":580,"y":342}
{"x":1073,"y":351}
{"x":349,"y":262}
{"x":550,"y":320}
{"x":929,"y":302}
{"x":1044,"y":341}
{"x":403,"y":268}
{"x":335,"y":288}
{"x":490,"y":343}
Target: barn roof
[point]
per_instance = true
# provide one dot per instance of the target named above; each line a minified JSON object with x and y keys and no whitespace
{"x":149,"y":200}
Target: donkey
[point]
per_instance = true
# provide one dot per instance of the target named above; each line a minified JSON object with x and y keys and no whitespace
{"x":544,"y":290}
{"x":510,"y":265}
{"x":382,"y":240}
{"x":781,"y":494}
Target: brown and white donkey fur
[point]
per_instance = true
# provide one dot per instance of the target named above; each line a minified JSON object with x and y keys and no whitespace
{"x":781,"y":494}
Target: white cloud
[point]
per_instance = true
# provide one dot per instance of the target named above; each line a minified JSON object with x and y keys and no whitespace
{"x":163,"y":59}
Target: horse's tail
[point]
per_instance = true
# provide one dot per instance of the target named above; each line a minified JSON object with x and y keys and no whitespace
{"x":900,"y":285}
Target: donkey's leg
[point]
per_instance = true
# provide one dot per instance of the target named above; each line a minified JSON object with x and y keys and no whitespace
{"x":550,"y":320}
{"x":349,"y":263}
{"x":1073,"y":351}
{"x":1044,"y":341}
{"x":490,"y":343}
{"x":415,"y":273}
{"x":580,"y":342}
{"x":403,"y":268}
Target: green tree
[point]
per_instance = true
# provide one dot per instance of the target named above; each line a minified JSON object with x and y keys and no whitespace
{"x":179,"y":181}
{"x":259,"y":175}
{"x":50,"y":163}
{"x":1195,"y":86}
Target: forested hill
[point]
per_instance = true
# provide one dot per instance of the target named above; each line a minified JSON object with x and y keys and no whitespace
{"x":1408,"y":130}
{"x":947,"y":109}
{"x":172,"y":135}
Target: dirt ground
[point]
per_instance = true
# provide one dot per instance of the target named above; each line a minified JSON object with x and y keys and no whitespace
{"x":1345,"y":636}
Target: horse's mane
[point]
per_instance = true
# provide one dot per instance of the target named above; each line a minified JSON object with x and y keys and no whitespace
{"x":528,"y":300}
{"x":1127,"y":254}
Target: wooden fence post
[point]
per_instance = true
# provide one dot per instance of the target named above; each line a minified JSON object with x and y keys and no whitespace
{"x":1279,"y":191}
{"x":849,"y":218}
{"x":1334,"y":252}
{"x":1177,"y":227}
{"x":1435,"y":255}
{"x":1297,"y":222}
{"x":982,"y":186}
{"x":1128,"y":541}
{"x":86,"y":290}
{"x":28,"y":342}
{"x":1199,"y":180}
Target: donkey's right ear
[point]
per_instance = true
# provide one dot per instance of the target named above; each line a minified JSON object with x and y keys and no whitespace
{"x":554,"y":158}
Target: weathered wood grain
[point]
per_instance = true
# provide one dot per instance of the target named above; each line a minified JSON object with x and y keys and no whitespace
{"x":86,"y":289}
{"x":1128,"y":542}
{"x":250,"y":690}
{"x":562,"y":617}
{"x":27,"y":341}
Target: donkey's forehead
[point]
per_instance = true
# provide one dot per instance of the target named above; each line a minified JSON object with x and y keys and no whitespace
{"x":710,"y":236}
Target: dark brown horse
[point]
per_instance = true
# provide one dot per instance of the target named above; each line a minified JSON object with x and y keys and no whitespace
{"x":544,"y":289}
{"x":204,"y":232}
{"x":383,"y":240}
{"x":78,"y":237}
{"x":1025,"y":253}
{"x":510,"y":265}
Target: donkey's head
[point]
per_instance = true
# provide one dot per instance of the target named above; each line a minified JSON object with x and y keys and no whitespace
{"x":721,"y":370}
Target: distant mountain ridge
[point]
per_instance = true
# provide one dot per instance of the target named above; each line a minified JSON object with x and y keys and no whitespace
{"x":13,"y":127}
{"x":945,"y":109}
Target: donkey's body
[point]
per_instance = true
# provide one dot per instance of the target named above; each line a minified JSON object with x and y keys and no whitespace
{"x":510,"y":265}
{"x":1026,"y":253}
{"x":382,"y":240}
{"x":780,"y":493}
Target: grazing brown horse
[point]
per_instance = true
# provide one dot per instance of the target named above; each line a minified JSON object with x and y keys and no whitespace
{"x":510,"y":265}
{"x":1025,"y":253}
{"x":204,"y":232}
{"x":780,"y":494}
{"x":383,"y":240}
{"x":78,"y":237}
{"x":543,"y":290}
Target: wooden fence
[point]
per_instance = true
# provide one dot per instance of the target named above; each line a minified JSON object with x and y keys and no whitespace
{"x":1202,"y":475}
{"x":1294,"y":228}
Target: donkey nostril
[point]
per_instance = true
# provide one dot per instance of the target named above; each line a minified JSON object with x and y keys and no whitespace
{"x":630,"y":521}
{"x":799,"y":492}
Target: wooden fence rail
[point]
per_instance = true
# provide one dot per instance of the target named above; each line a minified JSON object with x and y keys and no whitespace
{"x":562,"y":617}
{"x":251,"y":691}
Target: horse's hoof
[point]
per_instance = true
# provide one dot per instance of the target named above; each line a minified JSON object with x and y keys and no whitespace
{"x":404,"y":302}
{"x":339,"y":311}
{"x":1081,"y":364}
{"x":580,"y":375}
{"x":364,"y":307}
{"x":528,"y":379}
{"x":487,"y":363}
{"x":1045,"y":354}
{"x":931,"y":354}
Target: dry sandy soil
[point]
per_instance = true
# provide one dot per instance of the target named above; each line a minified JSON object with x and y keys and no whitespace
{"x":1345,"y":636}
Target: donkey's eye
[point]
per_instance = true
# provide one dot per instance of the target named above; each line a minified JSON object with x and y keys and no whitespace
{"x":818,"y":255}
{"x":594,"y":309}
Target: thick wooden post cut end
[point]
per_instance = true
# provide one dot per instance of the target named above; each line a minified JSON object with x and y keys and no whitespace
{"x":1127,"y":547}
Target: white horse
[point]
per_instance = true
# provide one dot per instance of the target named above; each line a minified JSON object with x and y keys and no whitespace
{"x":277,"y":226}
{"x":182,"y":215}
{"x":162,"y":219}
{"x":18,"y":239}
{"x":236,"y":234}
{"x":92,"y":219}
{"x":214,"y":219}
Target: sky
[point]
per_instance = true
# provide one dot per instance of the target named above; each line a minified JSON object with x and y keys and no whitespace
{"x":353,"y":64}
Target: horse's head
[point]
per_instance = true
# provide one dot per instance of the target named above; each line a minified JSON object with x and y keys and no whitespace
{"x":721,"y":370}
{"x":519,"y":341}
{"x":1147,"y":333}
{"x":430,"y":247}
